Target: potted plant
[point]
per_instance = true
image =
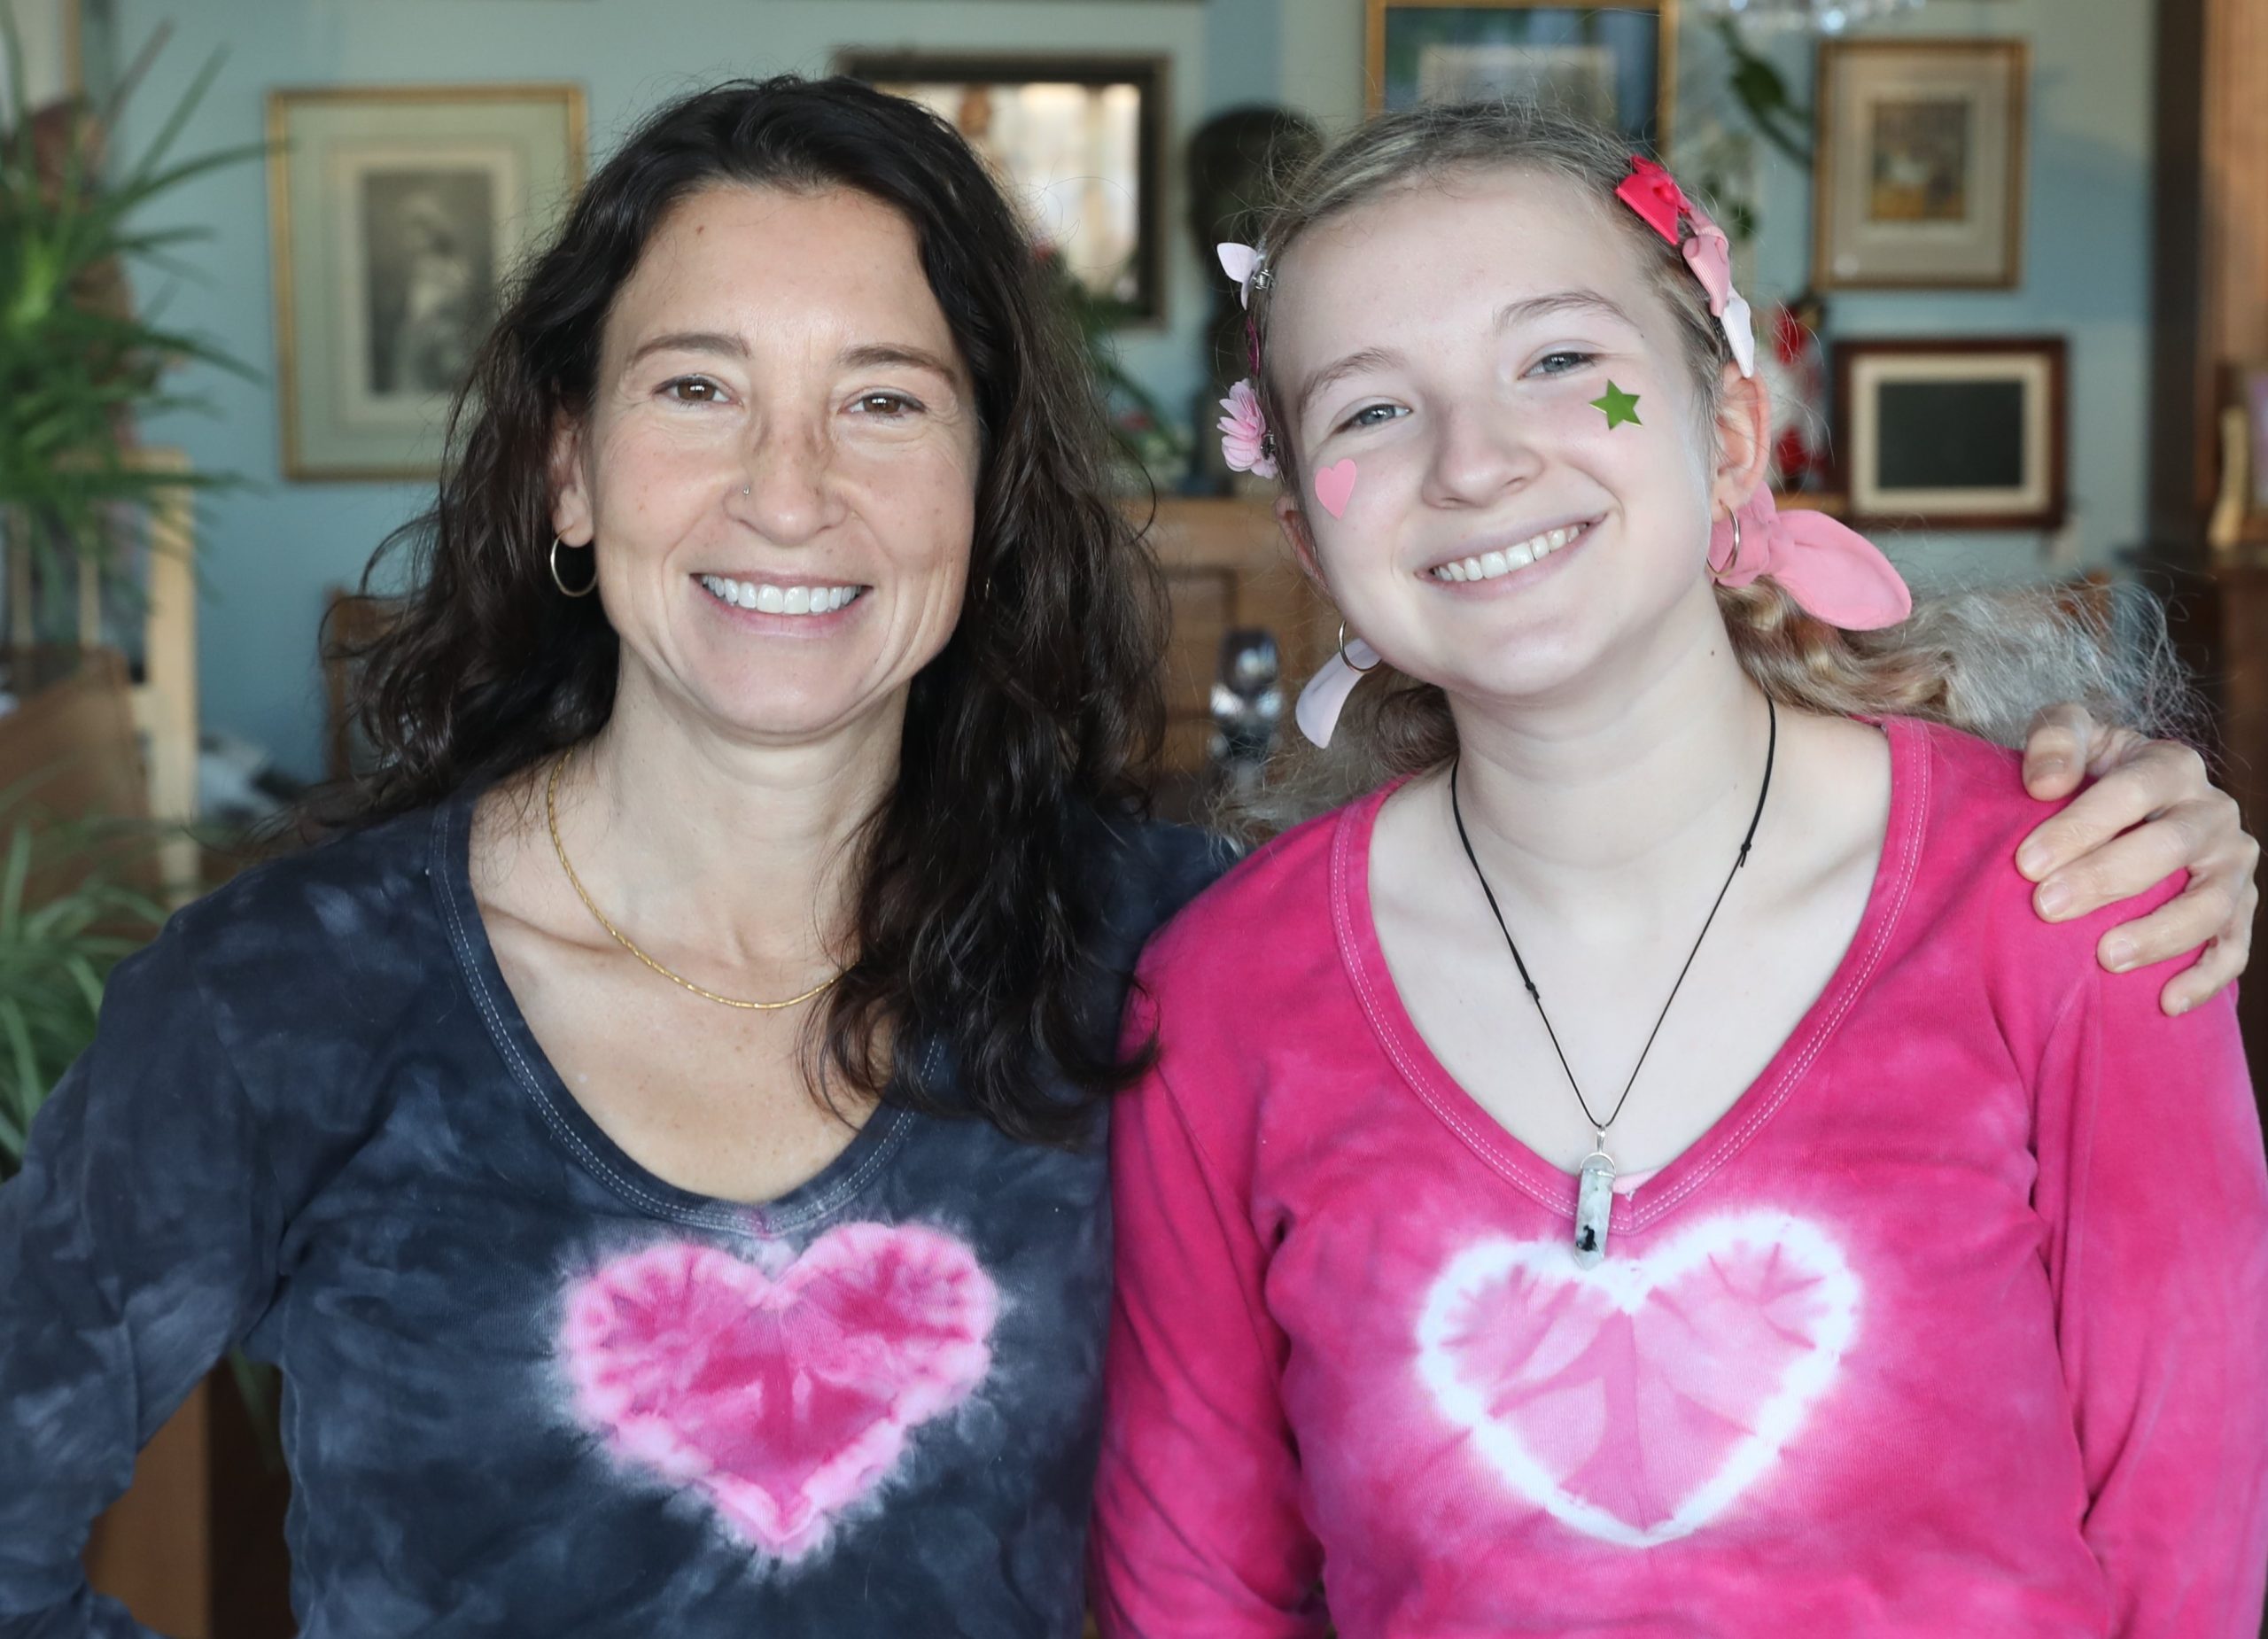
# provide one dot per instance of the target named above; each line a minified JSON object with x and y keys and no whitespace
{"x":77,"y":364}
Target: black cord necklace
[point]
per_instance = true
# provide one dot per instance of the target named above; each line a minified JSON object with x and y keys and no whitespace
{"x":1595,"y":1192}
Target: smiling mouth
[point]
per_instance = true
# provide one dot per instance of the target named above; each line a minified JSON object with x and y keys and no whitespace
{"x":768,"y":599}
{"x":1490,"y":565}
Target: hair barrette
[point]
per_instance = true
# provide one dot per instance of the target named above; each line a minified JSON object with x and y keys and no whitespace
{"x":1654,"y":194}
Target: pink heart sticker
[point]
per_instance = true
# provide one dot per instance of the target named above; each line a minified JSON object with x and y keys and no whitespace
{"x":784,"y":1397}
{"x":1334,"y":487}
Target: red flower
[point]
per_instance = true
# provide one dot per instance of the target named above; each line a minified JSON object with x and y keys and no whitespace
{"x":1654,"y":194}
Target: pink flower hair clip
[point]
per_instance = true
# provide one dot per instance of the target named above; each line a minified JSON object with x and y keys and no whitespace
{"x":1654,"y":194}
{"x":1246,"y":445}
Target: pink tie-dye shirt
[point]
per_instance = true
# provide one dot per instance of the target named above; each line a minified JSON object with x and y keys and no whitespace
{"x":1956,"y":1323}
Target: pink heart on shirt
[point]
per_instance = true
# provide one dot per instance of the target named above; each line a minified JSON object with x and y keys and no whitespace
{"x":1635,"y":1401}
{"x":783,"y":1398}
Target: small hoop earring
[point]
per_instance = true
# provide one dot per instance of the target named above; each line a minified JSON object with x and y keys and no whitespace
{"x":1349,"y":665}
{"x":1718,"y":575}
{"x":588,"y":588}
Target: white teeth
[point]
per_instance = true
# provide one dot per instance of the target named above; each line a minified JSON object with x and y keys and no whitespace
{"x":1488,"y":565}
{"x":773,"y":600}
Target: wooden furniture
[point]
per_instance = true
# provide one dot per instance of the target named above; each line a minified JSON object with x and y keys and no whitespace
{"x":164,"y":701}
{"x":1227,"y":566}
{"x":2210,"y":311}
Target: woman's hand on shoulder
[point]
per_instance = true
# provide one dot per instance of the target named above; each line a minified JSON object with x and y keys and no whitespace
{"x":2152,"y":810}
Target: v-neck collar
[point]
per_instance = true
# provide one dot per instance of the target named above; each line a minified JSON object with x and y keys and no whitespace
{"x":1674,"y":1182}
{"x":797,"y":1211}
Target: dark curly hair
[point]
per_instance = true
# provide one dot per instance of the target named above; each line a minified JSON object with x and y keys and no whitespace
{"x":977,"y":913}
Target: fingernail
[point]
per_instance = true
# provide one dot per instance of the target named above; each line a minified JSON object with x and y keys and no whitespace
{"x":2031,"y":859}
{"x":2119,"y":955}
{"x":2051,"y":765}
{"x":2054,"y":899}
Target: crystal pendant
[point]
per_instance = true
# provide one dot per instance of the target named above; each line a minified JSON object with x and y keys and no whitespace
{"x":1594,"y":1206}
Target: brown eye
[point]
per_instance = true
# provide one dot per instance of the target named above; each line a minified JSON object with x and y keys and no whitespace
{"x":886,"y":404}
{"x":692,"y":390}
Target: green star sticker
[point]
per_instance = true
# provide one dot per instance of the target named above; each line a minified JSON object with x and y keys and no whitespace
{"x":1619,"y":406}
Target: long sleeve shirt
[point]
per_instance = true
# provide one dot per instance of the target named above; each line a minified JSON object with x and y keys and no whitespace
{"x":1954,"y":1325}
{"x":532,"y":1388}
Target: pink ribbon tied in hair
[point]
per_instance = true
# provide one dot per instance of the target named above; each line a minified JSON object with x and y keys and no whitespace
{"x":1830,"y":569}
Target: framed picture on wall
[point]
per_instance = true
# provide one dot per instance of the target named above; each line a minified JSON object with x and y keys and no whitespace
{"x":1078,"y":141}
{"x":1918,"y":174}
{"x":395,"y":213}
{"x":1966,"y":434}
{"x":1616,"y":64}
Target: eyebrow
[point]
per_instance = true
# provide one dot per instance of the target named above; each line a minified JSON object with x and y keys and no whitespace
{"x":873,"y":354}
{"x":692,"y":341}
{"x":868,"y":356}
{"x":1559,"y":301}
{"x":1339,"y":369}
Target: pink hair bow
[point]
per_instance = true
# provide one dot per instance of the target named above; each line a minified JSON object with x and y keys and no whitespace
{"x":1654,"y":194}
{"x":1830,"y":569}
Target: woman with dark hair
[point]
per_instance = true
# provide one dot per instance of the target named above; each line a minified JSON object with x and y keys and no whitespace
{"x":656,"y":1138}
{"x":593,"y":1319}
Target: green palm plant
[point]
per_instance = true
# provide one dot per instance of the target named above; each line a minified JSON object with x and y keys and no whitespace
{"x":76,"y":364}
{"x":58,"y":945}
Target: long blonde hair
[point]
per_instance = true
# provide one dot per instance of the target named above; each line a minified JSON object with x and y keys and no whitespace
{"x":1984,"y":661}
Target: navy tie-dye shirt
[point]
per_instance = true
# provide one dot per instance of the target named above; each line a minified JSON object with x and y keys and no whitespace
{"x":530,"y":1388}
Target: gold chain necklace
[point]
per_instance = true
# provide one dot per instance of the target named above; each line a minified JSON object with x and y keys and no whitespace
{"x":551,"y":812}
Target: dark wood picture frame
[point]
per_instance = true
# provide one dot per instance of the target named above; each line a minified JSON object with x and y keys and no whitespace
{"x":1152,"y":76}
{"x":2014,"y":56}
{"x":1858,"y":458}
{"x":1374,"y":47}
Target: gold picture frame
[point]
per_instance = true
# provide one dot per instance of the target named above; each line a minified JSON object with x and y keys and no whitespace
{"x":1616,"y":61}
{"x":395,"y":214}
{"x":1918,"y":177}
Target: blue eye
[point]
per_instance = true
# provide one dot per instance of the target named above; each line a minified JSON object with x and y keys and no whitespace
{"x":1373,"y":415}
{"x":1562,"y":362}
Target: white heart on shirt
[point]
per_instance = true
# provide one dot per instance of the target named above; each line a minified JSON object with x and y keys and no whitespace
{"x":1635,"y":1401}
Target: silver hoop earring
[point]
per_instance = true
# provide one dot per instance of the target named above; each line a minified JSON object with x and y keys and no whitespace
{"x":1349,"y":665}
{"x":589,"y":586}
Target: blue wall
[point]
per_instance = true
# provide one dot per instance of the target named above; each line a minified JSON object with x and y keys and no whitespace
{"x":270,"y":550}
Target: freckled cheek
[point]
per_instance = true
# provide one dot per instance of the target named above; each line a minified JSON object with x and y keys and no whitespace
{"x":922,"y":508}
{"x":655,"y":483}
